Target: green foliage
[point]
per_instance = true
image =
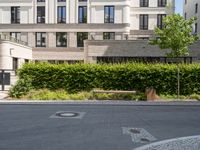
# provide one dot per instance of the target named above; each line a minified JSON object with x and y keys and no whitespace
{"x":176,"y":35}
{"x":22,"y":87}
{"x":195,"y":96}
{"x":45,"y":94}
{"x":134,"y":76}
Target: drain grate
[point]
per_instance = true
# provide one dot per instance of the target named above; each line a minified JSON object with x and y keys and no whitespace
{"x":68,"y":115}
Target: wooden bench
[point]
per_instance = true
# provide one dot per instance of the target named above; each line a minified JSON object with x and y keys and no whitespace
{"x":113,"y":91}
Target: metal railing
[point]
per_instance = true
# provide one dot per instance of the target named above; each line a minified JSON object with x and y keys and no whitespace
{"x":11,"y":39}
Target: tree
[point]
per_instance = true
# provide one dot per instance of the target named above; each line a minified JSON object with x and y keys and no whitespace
{"x":175,"y":35}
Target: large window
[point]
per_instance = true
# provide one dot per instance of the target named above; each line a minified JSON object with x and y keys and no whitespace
{"x":195,"y":28}
{"x":61,"y":14}
{"x":162,"y":3}
{"x":144,"y":3}
{"x":109,"y":14}
{"x":82,"y":14}
{"x":16,"y":35}
{"x":15,"y":14}
{"x":61,"y":39}
{"x":40,"y":39}
{"x":160,"y":23}
{"x":196,"y":8}
{"x":81,"y":36}
{"x":41,"y":14}
{"x":144,"y":22}
{"x":109,"y":35}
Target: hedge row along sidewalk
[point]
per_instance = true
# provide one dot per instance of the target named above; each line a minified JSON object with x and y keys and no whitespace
{"x":131,"y":76}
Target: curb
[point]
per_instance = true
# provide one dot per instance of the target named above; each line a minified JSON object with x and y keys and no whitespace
{"x":103,"y":102}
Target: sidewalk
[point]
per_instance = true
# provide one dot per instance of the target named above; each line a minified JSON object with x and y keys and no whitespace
{"x":3,"y":94}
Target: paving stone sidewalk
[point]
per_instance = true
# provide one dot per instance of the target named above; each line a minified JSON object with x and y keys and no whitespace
{"x":3,"y":95}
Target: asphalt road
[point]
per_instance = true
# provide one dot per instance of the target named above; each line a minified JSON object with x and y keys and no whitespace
{"x":32,"y":127}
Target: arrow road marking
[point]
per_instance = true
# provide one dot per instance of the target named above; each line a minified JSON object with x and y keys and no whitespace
{"x":138,"y":135}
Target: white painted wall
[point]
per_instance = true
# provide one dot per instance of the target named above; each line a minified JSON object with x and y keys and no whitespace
{"x":189,"y":9}
{"x":10,"y":50}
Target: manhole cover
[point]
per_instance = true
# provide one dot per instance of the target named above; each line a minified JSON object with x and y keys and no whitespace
{"x":68,"y":115}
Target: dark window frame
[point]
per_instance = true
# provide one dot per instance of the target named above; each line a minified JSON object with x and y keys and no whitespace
{"x":108,"y":36}
{"x":62,"y":18}
{"x":162,"y":3}
{"x":42,"y":17}
{"x":144,"y":24}
{"x":82,"y":17}
{"x":15,"y":15}
{"x":62,"y":42}
{"x":144,"y":3}
{"x":41,"y":37}
{"x":81,"y":36}
{"x":110,"y":19}
{"x":160,"y":23}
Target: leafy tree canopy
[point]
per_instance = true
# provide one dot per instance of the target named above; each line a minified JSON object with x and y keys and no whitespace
{"x":176,"y":35}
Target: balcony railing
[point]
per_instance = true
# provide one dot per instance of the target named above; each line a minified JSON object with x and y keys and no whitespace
{"x":11,"y":39}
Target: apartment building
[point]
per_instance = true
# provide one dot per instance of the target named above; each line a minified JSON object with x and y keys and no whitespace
{"x":56,"y":29}
{"x":192,"y":9}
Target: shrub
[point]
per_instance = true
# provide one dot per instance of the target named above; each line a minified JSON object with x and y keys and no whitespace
{"x":131,"y":76}
{"x":194,"y":96}
{"x":22,"y":87}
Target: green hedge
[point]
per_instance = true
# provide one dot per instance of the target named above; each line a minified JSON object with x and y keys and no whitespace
{"x":133,"y":76}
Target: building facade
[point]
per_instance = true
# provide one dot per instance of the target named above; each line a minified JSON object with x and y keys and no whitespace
{"x":56,"y":29}
{"x":192,"y":9}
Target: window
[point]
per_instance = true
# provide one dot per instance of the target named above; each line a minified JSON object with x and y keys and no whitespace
{"x":185,"y":2}
{"x":40,"y":39}
{"x":40,"y":14}
{"x":15,"y":63}
{"x":15,"y":14}
{"x":40,"y":0}
{"x":196,"y":8}
{"x":16,"y":35}
{"x":195,"y":28}
{"x":160,"y":23}
{"x":61,"y":0}
{"x":61,"y":39}
{"x":61,"y":14}
{"x":144,"y":3}
{"x":82,"y":14}
{"x":81,"y":36}
{"x":82,"y":0}
{"x":109,"y":12}
{"x":144,"y":22}
{"x":185,"y":15}
{"x":162,"y":3}
{"x":108,"y":35}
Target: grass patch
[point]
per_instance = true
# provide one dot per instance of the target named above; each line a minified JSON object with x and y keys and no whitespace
{"x":45,"y":94}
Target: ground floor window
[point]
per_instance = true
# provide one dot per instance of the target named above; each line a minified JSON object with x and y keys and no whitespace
{"x":16,"y":35}
{"x":15,"y":63}
{"x":40,"y":39}
{"x":118,"y":59}
{"x":60,"y":61}
{"x":81,"y":36}
{"x":109,"y":35}
{"x":61,"y":39}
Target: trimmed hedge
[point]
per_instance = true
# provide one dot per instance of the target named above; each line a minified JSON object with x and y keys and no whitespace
{"x":133,"y":76}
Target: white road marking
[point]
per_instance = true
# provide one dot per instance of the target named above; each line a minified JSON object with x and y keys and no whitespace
{"x":183,"y":143}
{"x":138,"y":135}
